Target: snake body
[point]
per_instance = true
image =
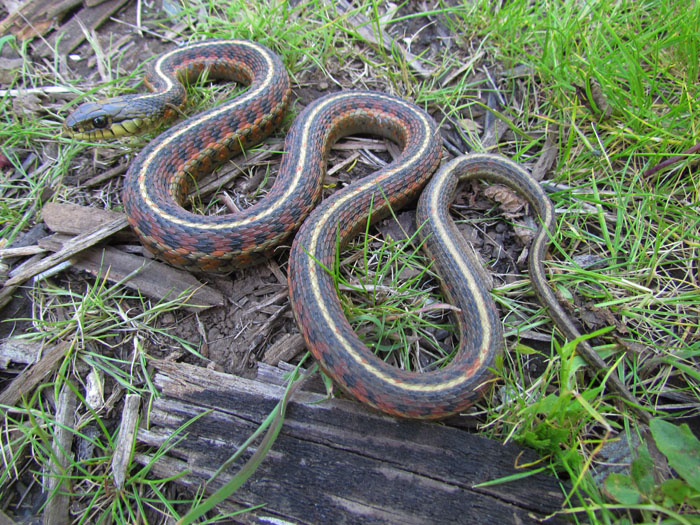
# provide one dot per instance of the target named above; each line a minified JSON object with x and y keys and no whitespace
{"x":344,"y":356}
{"x":158,"y":180}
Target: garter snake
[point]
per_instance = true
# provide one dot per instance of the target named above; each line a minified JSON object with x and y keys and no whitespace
{"x":157,"y":182}
{"x":341,"y":353}
{"x":159,"y":178}
{"x":339,"y":350}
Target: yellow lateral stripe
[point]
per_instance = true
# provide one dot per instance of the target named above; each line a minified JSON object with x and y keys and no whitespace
{"x":329,"y":322}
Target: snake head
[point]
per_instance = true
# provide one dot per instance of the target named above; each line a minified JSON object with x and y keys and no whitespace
{"x":111,"y":118}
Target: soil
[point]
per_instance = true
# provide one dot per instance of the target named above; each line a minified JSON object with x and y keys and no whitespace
{"x":234,"y":337}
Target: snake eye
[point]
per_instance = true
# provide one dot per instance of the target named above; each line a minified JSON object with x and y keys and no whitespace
{"x":76,"y":128}
{"x":100,"y":122}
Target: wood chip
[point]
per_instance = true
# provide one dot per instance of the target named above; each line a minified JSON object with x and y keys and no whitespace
{"x":494,"y":129}
{"x":19,"y":351}
{"x":73,"y":219}
{"x":285,"y":349}
{"x":75,"y":246}
{"x":21,"y":251}
{"x":125,"y":440}
{"x":150,"y":277}
{"x":105,"y":176}
{"x":11,"y":5}
{"x":71,"y":34}
{"x":549,"y":154}
{"x":54,"y":242}
{"x":24,"y":383}
{"x":35,"y":17}
{"x":56,"y":483}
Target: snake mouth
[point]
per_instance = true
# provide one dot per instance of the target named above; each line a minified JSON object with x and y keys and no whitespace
{"x":109,"y":119}
{"x":125,"y":128}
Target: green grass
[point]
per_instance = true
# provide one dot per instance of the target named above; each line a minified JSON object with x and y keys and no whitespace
{"x":612,"y":84}
{"x":392,"y":301}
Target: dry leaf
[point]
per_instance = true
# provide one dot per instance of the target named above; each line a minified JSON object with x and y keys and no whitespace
{"x":524,"y":233}
{"x":470,"y":126}
{"x":9,"y":68}
{"x":29,"y":105}
{"x":511,"y":203}
{"x":548,"y":156}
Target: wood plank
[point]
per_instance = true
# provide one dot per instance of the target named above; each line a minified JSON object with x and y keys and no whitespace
{"x":337,"y":462}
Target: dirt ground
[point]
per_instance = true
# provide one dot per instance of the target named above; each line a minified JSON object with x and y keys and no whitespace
{"x":231,"y":336}
{"x":255,"y":322}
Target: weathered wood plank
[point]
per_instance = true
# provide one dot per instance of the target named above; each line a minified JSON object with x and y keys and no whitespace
{"x":335,"y":461}
{"x":150,"y":277}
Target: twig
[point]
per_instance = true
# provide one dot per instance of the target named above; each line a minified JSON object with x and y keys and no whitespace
{"x":672,"y":160}
{"x":361,"y":24}
{"x":21,"y":251}
{"x":76,"y":245}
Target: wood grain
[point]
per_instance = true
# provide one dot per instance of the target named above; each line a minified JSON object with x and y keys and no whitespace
{"x":337,"y":462}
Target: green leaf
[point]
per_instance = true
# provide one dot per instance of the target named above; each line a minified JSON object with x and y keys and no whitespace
{"x":642,"y":471}
{"x":523,"y":349}
{"x":676,"y":489}
{"x":533,"y":440}
{"x":681,"y":448}
{"x":622,"y":489}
